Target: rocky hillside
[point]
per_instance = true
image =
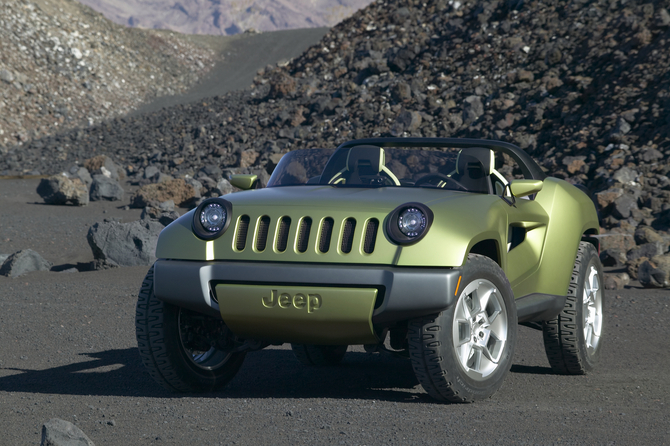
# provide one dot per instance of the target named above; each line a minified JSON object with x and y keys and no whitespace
{"x":226,"y":17}
{"x":63,"y":65}
{"x":583,"y":86}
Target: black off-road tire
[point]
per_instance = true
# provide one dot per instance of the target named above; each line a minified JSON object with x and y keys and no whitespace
{"x":441,"y":366}
{"x":157,"y":328}
{"x":565,"y":336}
{"x":319,"y":355}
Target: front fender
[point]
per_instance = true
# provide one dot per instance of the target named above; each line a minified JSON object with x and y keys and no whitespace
{"x":457,"y":226}
{"x":177,"y":241}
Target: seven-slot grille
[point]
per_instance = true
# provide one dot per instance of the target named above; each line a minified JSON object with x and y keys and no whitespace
{"x":327,"y":237}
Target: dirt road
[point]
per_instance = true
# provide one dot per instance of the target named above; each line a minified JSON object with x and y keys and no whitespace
{"x":67,"y":350}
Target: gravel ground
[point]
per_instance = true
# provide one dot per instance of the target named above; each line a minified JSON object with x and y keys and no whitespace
{"x":68,"y":350}
{"x":58,"y":233}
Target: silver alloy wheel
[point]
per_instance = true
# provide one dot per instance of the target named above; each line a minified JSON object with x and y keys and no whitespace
{"x":592,"y":313}
{"x":204,"y":359}
{"x":479,"y":329}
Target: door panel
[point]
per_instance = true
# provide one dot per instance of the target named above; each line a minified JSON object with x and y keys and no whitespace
{"x":527,"y":225}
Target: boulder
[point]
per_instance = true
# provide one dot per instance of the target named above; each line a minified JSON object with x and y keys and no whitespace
{"x":212,"y":171}
{"x":613,"y":257}
{"x":124,"y":244}
{"x":282,"y":85}
{"x":102,"y":164}
{"x":607,"y":197}
{"x":473,"y":108}
{"x":624,"y":206}
{"x":105,"y":188}
{"x":655,"y":272}
{"x":57,"y":432}
{"x":197,"y":186}
{"x":647,"y":250}
{"x":401,"y":92}
{"x":83,"y":174}
{"x":223,"y":187}
{"x":23,"y":262}
{"x":616,"y":281}
{"x":407,"y":121}
{"x":176,"y":190}
{"x":59,"y":189}
{"x":645,"y":234}
{"x":163,"y":212}
{"x":634,"y":266}
{"x":615,"y":240}
{"x":152,"y":173}
{"x":626,"y":175}
{"x":248,"y":158}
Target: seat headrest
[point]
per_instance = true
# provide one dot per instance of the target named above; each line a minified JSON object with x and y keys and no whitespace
{"x":370,"y":158}
{"x":480,"y":154}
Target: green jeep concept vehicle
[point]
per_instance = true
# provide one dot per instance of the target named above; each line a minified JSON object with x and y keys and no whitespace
{"x":430,"y":248}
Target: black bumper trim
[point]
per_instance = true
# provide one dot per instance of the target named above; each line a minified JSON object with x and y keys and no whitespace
{"x":409,"y":292}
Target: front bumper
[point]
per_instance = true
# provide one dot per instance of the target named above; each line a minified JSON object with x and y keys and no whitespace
{"x":402,"y":293}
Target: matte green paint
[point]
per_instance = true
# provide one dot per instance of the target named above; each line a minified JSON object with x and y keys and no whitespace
{"x":572,"y":214}
{"x":314,"y":315}
{"x":523,"y":188}
{"x":244,"y":181}
{"x":554,"y":223}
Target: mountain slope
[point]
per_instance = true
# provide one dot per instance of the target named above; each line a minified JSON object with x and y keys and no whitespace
{"x":584,"y":87}
{"x":226,"y":17}
{"x":64,"y":65}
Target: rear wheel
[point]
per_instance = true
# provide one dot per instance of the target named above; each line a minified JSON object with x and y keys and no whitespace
{"x":464,"y":353}
{"x":183,"y":350}
{"x":573,"y":339}
{"x":319,"y":355}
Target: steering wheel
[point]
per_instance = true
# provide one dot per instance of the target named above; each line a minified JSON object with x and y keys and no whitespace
{"x":438,"y":176}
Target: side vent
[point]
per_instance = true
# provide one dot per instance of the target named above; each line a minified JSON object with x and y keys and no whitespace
{"x":370,"y":236}
{"x":326,"y":234}
{"x":282,"y":235}
{"x":303,"y":233}
{"x":262,"y":233}
{"x":242,"y":231}
{"x":348,"y":235}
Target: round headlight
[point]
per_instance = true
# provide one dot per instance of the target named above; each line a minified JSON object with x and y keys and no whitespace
{"x":412,"y":222}
{"x":409,"y":223}
{"x":213,"y":217}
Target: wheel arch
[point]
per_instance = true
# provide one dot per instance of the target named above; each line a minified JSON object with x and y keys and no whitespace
{"x":588,"y":236}
{"x":488,"y":248}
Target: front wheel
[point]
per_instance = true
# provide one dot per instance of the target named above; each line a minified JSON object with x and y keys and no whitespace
{"x":464,"y":353}
{"x":183,"y":351}
{"x":573,"y":339}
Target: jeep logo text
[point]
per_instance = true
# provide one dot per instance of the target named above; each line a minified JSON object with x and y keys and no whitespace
{"x":311,"y":302}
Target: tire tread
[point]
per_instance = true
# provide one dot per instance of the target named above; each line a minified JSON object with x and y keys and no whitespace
{"x":560,"y":334}
{"x":426,"y":351}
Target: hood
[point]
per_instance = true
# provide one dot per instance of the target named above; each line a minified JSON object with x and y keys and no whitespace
{"x":377,"y":199}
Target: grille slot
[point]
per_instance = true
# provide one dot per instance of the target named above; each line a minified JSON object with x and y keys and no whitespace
{"x":303,"y":234}
{"x":262,"y":233}
{"x":326,"y":234}
{"x":242,"y":230}
{"x":370,"y":236}
{"x":348,"y":235}
{"x":282,"y":235}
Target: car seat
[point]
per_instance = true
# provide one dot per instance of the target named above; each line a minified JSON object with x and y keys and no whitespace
{"x":363,"y":161}
{"x":473,"y":169}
